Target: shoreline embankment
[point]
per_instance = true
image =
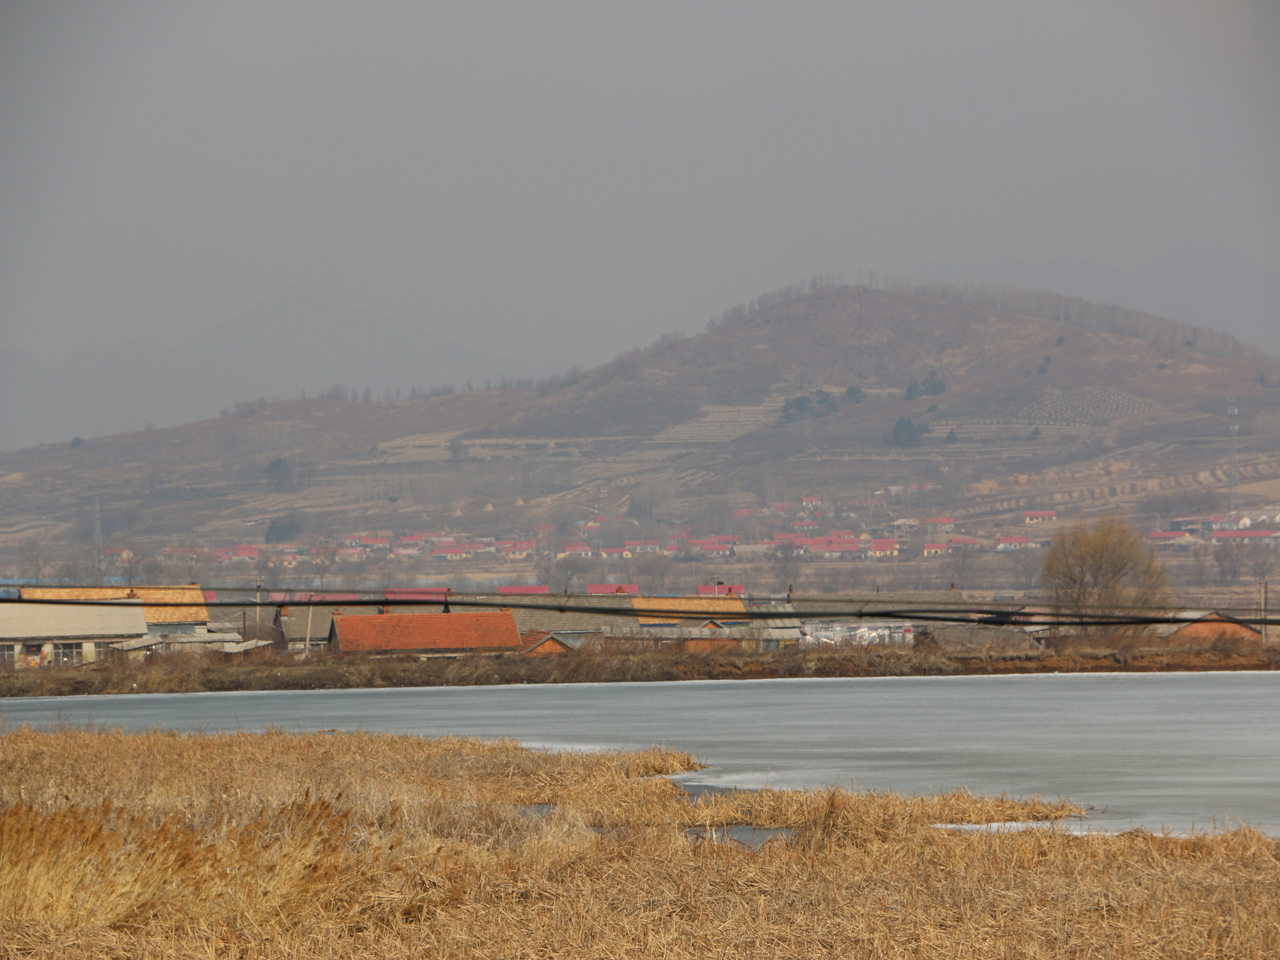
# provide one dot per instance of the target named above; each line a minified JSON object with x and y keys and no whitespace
{"x":189,"y":674}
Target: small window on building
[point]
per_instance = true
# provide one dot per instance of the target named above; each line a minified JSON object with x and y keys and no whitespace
{"x":67,"y":654}
{"x":8,"y":656}
{"x":103,"y":652}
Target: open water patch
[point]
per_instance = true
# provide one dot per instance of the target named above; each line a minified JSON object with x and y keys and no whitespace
{"x":743,"y":834}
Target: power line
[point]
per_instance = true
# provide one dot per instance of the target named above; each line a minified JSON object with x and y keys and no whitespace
{"x":957,"y":613}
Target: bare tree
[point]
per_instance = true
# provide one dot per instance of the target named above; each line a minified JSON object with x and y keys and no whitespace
{"x":1103,"y":570}
{"x":568,"y":574}
{"x":133,"y":563}
{"x":1229,"y":555}
{"x":655,"y":570}
{"x":34,"y":558}
{"x":1200,"y":555}
{"x":1025,"y":564}
{"x":786,"y":562}
{"x":323,"y":559}
{"x":1260,"y":560}
{"x":961,"y":557}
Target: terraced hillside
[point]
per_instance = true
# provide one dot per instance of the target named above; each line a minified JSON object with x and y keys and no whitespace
{"x":813,"y":394}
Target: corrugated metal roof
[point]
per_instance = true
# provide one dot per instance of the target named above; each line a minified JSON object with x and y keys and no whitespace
{"x":779,"y":627}
{"x":179,"y":641}
{"x":190,"y":596}
{"x":490,"y":631}
{"x":43,"y":622}
{"x":538,"y":612}
{"x":875,"y":603}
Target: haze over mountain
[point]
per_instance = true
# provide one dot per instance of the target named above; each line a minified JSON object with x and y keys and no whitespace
{"x":1206,"y":283}
{"x":597,"y":175}
{"x":297,"y":341}
{"x":992,"y":407}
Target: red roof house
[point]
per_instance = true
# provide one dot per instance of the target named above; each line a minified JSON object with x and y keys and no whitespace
{"x":721,"y":589}
{"x":883,"y":547}
{"x":489,"y":631}
{"x":1212,"y":628}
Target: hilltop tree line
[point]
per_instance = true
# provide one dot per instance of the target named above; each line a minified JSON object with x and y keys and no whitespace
{"x":795,"y":291}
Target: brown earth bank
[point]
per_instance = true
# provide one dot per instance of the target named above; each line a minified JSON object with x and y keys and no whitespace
{"x":181,"y":674}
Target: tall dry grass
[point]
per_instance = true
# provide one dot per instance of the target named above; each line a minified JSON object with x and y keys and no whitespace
{"x":356,"y":844}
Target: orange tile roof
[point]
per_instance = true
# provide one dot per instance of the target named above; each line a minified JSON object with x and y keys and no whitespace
{"x":673,"y":609}
{"x":389,"y":632}
{"x":190,"y":596}
{"x":1213,"y":627}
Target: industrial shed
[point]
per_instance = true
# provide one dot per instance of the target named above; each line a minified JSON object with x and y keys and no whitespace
{"x":64,"y":634}
{"x":168,"y":609}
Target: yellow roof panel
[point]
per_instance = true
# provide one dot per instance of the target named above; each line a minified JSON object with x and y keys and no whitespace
{"x":653,"y":610}
{"x":189,"y":600}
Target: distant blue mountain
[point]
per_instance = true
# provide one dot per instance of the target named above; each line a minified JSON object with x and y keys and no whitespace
{"x":1206,"y":283}
{"x":297,"y":340}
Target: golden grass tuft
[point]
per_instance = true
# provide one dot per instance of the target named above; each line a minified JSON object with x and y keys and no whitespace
{"x":358,"y":844}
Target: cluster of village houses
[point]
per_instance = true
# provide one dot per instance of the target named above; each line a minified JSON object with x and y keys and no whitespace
{"x":67,"y":626}
{"x":72,"y":626}
{"x":807,"y":529}
{"x":1261,"y":528}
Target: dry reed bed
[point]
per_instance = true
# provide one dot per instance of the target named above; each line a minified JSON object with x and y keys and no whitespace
{"x":358,"y":844}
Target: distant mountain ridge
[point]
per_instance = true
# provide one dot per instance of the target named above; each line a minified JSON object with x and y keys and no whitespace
{"x":821,"y":333}
{"x":843,"y":390}
{"x":296,"y":341}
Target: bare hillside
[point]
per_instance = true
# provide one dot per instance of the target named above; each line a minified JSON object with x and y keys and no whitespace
{"x":844,"y":391}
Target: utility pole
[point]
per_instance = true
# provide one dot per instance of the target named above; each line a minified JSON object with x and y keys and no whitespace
{"x":311,"y":609}
{"x":257,"y":611}
{"x":1264,"y":611}
{"x":1234,"y":494}
{"x":99,"y":558}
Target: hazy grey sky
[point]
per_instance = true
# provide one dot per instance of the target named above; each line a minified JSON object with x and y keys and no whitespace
{"x":582,"y":177}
